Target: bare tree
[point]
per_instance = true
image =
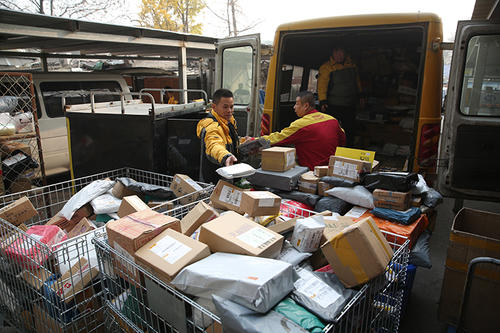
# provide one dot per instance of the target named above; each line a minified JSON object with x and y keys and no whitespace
{"x":233,"y":18}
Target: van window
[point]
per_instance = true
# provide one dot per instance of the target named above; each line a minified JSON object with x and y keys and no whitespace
{"x":237,"y":72}
{"x":291,"y":82}
{"x":76,"y":92}
{"x":481,"y":81}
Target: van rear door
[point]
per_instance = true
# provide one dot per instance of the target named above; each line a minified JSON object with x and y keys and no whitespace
{"x":469,"y":161}
{"x":237,"y":68}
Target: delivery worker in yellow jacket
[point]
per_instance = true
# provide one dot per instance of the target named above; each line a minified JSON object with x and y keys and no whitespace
{"x":219,"y":136}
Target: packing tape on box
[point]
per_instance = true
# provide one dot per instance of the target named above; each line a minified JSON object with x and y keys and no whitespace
{"x":474,"y":242}
{"x":348,"y":257}
{"x":380,"y":240}
{"x":489,"y":274}
{"x":146,"y":223}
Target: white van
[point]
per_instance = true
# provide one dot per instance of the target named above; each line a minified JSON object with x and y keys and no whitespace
{"x":49,"y":88}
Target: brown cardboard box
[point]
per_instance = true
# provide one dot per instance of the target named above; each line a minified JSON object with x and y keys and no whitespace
{"x":120,"y":191}
{"x":288,"y":225}
{"x":75,"y":281}
{"x":321,"y":171}
{"x":260,"y":203}
{"x":165,"y":205}
{"x":308,"y":183}
{"x":8,"y":147}
{"x":358,"y":253}
{"x":334,"y":225}
{"x":347,"y":168}
{"x":323,"y":187}
{"x":82,"y":227}
{"x":234,"y":233}
{"x":391,"y":200}
{"x":131,"y":204}
{"x":474,"y":234}
{"x":200,"y":214}
{"x":169,"y":252}
{"x":58,"y":220}
{"x":19,"y":211}
{"x":21,"y":184}
{"x":278,"y":159}
{"x":36,"y":277}
{"x":227,"y":196}
{"x":183,"y":185}
{"x":133,"y":231}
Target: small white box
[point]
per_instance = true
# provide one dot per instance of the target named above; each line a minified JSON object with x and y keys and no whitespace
{"x":307,"y":233}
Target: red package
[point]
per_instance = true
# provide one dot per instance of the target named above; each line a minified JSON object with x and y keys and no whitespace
{"x":30,"y":253}
{"x":288,"y":210}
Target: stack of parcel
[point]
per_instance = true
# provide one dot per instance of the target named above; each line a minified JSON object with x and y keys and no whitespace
{"x":249,"y":261}
{"x":50,"y":280}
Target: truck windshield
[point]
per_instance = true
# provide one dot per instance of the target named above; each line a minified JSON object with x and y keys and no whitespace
{"x":237,"y":72}
{"x":481,"y":81}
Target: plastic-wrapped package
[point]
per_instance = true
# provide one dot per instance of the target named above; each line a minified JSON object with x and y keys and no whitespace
{"x":200,"y":318}
{"x":236,"y":171}
{"x":307,"y":233}
{"x":299,"y":315}
{"x":86,"y":194}
{"x":338,"y":182}
{"x":156,"y":191}
{"x":321,"y":293}
{"x":7,"y":125}
{"x":252,"y":147}
{"x":23,"y":122}
{"x":257,"y":283}
{"x":291,"y":255}
{"x":288,"y":210}
{"x":420,"y":253}
{"x":335,"y":205}
{"x":432,"y":198}
{"x":105,"y":204}
{"x":406,"y":217}
{"x":390,"y":181}
{"x":357,"y":195}
{"x":305,"y":198}
{"x":421,"y":186}
{"x":285,"y":181}
{"x":237,"y":319}
{"x":8,"y":103}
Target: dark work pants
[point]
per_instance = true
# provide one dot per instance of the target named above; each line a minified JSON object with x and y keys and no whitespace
{"x":346,"y":115}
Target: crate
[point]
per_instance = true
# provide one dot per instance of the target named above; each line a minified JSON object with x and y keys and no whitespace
{"x":52,"y":304}
{"x":131,"y":305}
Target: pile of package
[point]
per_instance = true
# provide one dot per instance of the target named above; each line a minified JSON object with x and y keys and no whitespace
{"x":57,"y":258}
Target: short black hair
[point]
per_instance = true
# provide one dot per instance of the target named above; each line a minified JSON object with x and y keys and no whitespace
{"x":307,"y":97}
{"x":219,"y":93}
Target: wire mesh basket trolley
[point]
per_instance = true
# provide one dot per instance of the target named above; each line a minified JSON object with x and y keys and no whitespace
{"x":57,"y":288}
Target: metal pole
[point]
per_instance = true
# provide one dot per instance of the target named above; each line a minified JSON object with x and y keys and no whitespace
{"x":183,"y":74}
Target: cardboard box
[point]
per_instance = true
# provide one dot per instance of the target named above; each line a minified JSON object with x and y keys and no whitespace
{"x":391,"y":200}
{"x":285,"y":181}
{"x":278,"y":159}
{"x":323,"y":187}
{"x":120,"y":191}
{"x":233,"y":233}
{"x":308,"y":183}
{"x":58,"y":220}
{"x":8,"y":147}
{"x":200,"y":214}
{"x":166,"y":205}
{"x":307,"y":233}
{"x":358,"y":253}
{"x":334,"y":225}
{"x":169,"y":252}
{"x":75,"y":280}
{"x":20,"y":184}
{"x":182,"y":185}
{"x":260,"y":203}
{"x":474,"y":234}
{"x":131,"y":204}
{"x":133,"y":231}
{"x":82,"y":227}
{"x":227,"y":196}
{"x":347,"y":168}
{"x":321,"y":171}
{"x":288,"y":225}
{"x":19,"y":211}
{"x":36,"y":277}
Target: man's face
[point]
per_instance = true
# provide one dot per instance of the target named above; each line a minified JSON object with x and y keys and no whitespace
{"x":339,"y":55}
{"x":225,"y":107}
{"x":300,"y":108}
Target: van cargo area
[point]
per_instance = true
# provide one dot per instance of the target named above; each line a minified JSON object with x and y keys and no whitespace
{"x":390,"y":64}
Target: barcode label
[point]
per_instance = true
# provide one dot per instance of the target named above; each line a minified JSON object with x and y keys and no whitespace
{"x":170,"y":249}
{"x":257,"y":238}
{"x":345,"y":169}
{"x":230,"y":195}
{"x":194,"y":184}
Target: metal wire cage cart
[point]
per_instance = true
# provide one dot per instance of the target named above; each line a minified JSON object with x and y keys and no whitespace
{"x":135,"y":300}
{"x":56,"y":288}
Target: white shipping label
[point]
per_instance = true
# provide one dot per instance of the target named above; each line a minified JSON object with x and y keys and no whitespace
{"x":230,"y":196}
{"x":317,"y":290}
{"x":14,"y":159}
{"x":311,"y":186}
{"x":308,"y":240}
{"x":257,"y":238}
{"x":290,"y":158}
{"x":356,"y":212}
{"x":170,"y":249}
{"x":269,"y":202}
{"x":194,"y":184}
{"x":345,"y":169}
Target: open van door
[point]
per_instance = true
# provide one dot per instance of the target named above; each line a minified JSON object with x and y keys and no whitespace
{"x":469,"y":162}
{"x":237,"y":68}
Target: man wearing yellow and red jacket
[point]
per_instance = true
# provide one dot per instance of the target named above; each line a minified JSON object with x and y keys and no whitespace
{"x":315,"y":135}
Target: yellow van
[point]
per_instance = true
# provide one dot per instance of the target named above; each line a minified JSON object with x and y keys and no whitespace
{"x":399,"y":63}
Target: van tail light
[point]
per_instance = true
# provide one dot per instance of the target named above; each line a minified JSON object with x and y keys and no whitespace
{"x":265,"y":125}
{"x":428,"y":149}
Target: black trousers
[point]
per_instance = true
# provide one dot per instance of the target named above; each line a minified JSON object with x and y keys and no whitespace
{"x":346,"y":115}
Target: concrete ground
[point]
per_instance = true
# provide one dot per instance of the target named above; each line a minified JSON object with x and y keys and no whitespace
{"x":422,"y":311}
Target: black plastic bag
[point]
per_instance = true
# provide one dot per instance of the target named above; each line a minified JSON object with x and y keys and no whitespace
{"x":305,"y":198}
{"x":420,"y":253}
{"x":432,"y":198}
{"x":390,"y":181}
{"x":252,"y":147}
{"x":335,"y":205}
{"x":338,"y":182}
{"x":158,"y":192}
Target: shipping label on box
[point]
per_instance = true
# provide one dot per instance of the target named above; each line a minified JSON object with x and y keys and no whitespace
{"x":347,"y":168}
{"x":278,"y":159}
{"x":183,"y":185}
{"x":308,"y":182}
{"x":200,"y":214}
{"x":391,"y":200}
{"x":321,"y":171}
{"x":227,"y":196}
{"x":131,"y":204}
{"x":75,"y":280}
{"x":233,"y":233}
{"x":260,"y":203}
{"x":19,"y":211}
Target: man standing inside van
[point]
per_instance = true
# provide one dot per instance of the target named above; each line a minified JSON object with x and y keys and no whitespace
{"x":315,"y":135}
{"x":339,"y":89}
{"x":219,"y":135}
